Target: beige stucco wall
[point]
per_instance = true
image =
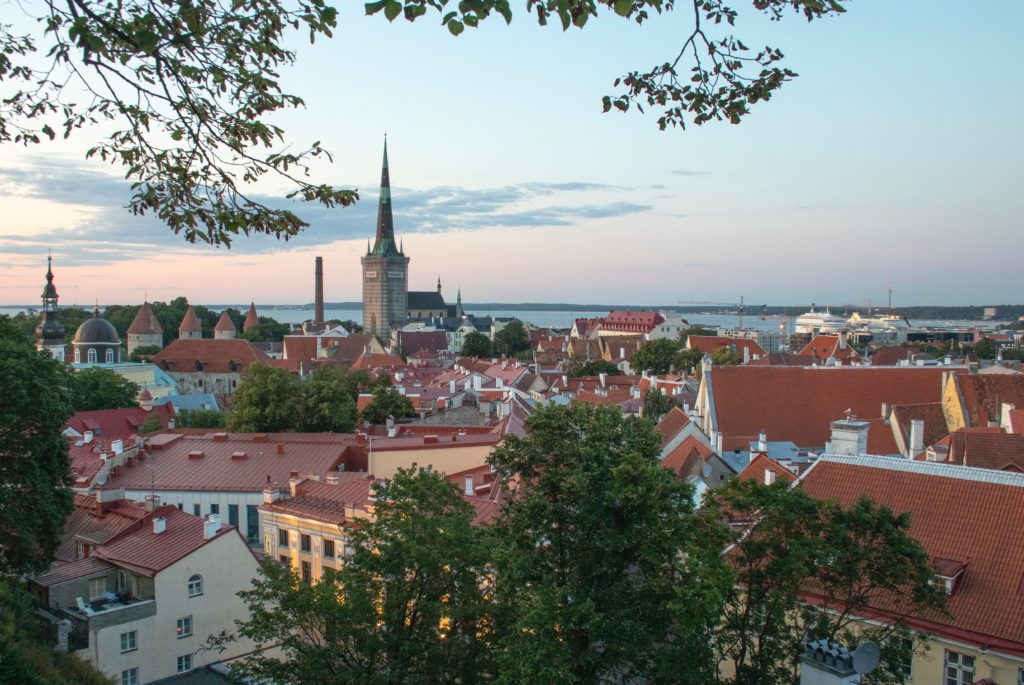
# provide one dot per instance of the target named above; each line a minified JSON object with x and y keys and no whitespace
{"x":227,"y":567}
{"x":952,"y":408}
{"x":384,"y":464}
{"x":928,"y":667}
{"x":318,"y":532}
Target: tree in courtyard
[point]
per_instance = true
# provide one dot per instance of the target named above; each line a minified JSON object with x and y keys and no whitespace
{"x":152,"y":424}
{"x":726,"y":355}
{"x":593,"y":367}
{"x":654,"y":356}
{"x":143,"y":352}
{"x":688,"y":360}
{"x":409,"y":604}
{"x":269,"y":330}
{"x":328,"y":402}
{"x":600,"y":576}
{"x":657,"y":404}
{"x":806,"y":570}
{"x":266,"y":401}
{"x":35,"y":404}
{"x":476,"y":344}
{"x":986,"y":348}
{"x":99,"y":388}
{"x":199,"y":418}
{"x":511,"y":340}
{"x":387,"y":402}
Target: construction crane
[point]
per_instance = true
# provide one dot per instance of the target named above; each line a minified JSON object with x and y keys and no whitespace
{"x":728,"y":300}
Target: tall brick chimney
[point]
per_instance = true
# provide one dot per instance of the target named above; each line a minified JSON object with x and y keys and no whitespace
{"x":318,"y":307}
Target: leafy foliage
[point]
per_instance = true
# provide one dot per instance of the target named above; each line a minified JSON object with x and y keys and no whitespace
{"x":408,"y":605}
{"x":267,"y":400}
{"x":199,"y":418}
{"x":151,"y":424}
{"x":476,"y":344}
{"x":600,"y":574}
{"x":193,"y":86}
{"x":725,"y":356}
{"x":593,"y":367}
{"x":714,"y":76}
{"x":143,"y":352}
{"x":35,"y":404}
{"x":657,"y":404}
{"x":269,"y":330}
{"x":328,"y":401}
{"x":387,"y":402}
{"x":511,"y":340}
{"x":99,"y":388}
{"x":655,"y":356}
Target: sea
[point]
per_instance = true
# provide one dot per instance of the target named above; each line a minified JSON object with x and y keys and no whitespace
{"x":559,"y":318}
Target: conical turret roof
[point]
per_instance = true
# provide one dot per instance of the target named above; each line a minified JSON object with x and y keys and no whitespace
{"x":190,"y":322}
{"x":224,"y":323}
{"x":145,"y":322}
{"x":251,"y":319}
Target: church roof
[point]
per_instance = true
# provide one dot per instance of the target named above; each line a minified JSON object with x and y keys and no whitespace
{"x":384,"y":243}
{"x":49,"y":290}
{"x":251,"y":319}
{"x":145,"y":322}
{"x":426,"y":299}
{"x":96,"y":330}
{"x":190,"y":322}
{"x":224,"y":323}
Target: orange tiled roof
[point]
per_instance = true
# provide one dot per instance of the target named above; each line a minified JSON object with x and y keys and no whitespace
{"x":760,"y":464}
{"x":891,"y":356}
{"x":686,"y":459}
{"x":215,"y":355}
{"x":987,"y":450}
{"x":671,"y":423}
{"x":956,"y":513}
{"x":378,"y":361}
{"x":224,"y":323}
{"x":190,"y":322}
{"x":145,"y":322}
{"x":826,"y":347}
{"x":252,"y":320}
{"x":86,"y":521}
{"x":984,"y":395}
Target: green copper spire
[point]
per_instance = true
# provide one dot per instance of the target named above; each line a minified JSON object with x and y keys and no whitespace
{"x":384,"y":245}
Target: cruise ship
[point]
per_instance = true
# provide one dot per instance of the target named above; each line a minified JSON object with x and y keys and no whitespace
{"x":819,"y":322}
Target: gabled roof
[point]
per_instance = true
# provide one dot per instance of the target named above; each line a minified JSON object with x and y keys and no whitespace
{"x":956,"y":513}
{"x":145,"y":322}
{"x":828,"y":347}
{"x":87,"y":522}
{"x":799,"y":403}
{"x":348,"y":349}
{"x":149,"y":553}
{"x":63,"y":572}
{"x":224,"y":323}
{"x":414,"y":342}
{"x":190,"y":322}
{"x":987,"y":450}
{"x":378,"y":361}
{"x":891,"y":356}
{"x":761,"y":464}
{"x":631,"y":321}
{"x":671,"y":423}
{"x":709,"y":343}
{"x":930,"y":412}
{"x":687,"y":459}
{"x":984,"y":395}
{"x":215,"y":356}
{"x":115,"y":424}
{"x":429,"y":300}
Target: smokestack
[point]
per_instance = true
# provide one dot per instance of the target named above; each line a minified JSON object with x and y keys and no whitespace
{"x":318,"y":307}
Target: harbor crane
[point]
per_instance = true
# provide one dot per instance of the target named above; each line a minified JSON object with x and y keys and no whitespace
{"x":729,"y":300}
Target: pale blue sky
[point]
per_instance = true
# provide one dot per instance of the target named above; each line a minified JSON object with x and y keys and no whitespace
{"x":896,"y":153}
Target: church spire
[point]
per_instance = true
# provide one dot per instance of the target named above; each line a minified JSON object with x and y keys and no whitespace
{"x":384,"y":245}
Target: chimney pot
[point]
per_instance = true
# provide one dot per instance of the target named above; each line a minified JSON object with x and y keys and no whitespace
{"x":159,"y":524}
{"x":152,"y":503}
{"x":211,"y":526}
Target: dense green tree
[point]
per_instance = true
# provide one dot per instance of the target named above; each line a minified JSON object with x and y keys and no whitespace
{"x":99,"y":388}
{"x":152,"y":424}
{"x":328,"y":402}
{"x":802,"y":547}
{"x":269,"y":330}
{"x":725,"y":356}
{"x":592,"y":367}
{"x":654,"y":356}
{"x":476,"y":344}
{"x":143,"y":352}
{"x":687,"y":360}
{"x":657,"y":404}
{"x":266,"y":401}
{"x":986,"y":348}
{"x":599,"y":574}
{"x":387,"y":402}
{"x":511,"y":340}
{"x":407,"y":606}
{"x":35,"y":404}
{"x":199,"y":418}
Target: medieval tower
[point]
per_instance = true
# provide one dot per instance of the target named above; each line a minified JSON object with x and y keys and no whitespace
{"x":385,"y":270}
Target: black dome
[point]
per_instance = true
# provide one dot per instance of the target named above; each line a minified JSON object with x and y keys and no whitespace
{"x":50,"y":329}
{"x":97,"y":330}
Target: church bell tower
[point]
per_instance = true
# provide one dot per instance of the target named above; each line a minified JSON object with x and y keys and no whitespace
{"x":50,"y":331}
{"x":385,"y":270}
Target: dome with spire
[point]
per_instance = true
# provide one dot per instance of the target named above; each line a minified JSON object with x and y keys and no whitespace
{"x":96,"y":330}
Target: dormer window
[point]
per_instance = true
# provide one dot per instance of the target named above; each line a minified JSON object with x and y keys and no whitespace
{"x":949,"y":574}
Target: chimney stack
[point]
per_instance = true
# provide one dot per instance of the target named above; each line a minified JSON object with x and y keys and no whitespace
{"x":916,"y":438}
{"x":469,"y":486}
{"x":318,"y":296}
{"x":152,"y":503}
{"x":211,"y":525}
{"x":159,"y":524}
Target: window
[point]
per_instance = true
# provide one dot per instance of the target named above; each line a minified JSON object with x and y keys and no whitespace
{"x":129,"y":641}
{"x":195,"y":585}
{"x":285,"y":560}
{"x":307,"y":572}
{"x":214,"y":508}
{"x":1020,"y":676}
{"x":282,"y":538}
{"x":90,"y":355}
{"x":184,"y":626}
{"x":233,"y":514}
{"x":78,"y":356}
{"x":122,"y":580}
{"x":97,"y":587}
{"x":305,"y":543}
{"x":252,"y":522}
{"x":130,"y":676}
{"x":184,"y":663}
{"x":110,"y":356}
{"x":196,"y":511}
{"x":959,"y":668}
{"x":328,"y":549}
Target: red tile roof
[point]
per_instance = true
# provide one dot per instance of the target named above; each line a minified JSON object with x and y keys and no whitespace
{"x":63,"y":572}
{"x":798,"y":403}
{"x":987,"y":450}
{"x":761,"y":464}
{"x":414,"y":342}
{"x":671,"y":423}
{"x":190,"y":322}
{"x":891,"y":356}
{"x":224,"y":323}
{"x":252,"y":320}
{"x":709,"y":343}
{"x":827,"y":347}
{"x":113,"y":424}
{"x":145,"y":322}
{"x":85,"y":522}
{"x":955,"y":513}
{"x":1016,"y":421}
{"x":688,"y":458}
{"x":378,"y":361}
{"x":320,"y":501}
{"x":930,"y":412}
{"x":642,"y":322}
{"x":984,"y":395}
{"x":149,"y":553}
{"x":783,"y":359}
{"x":215,"y":356}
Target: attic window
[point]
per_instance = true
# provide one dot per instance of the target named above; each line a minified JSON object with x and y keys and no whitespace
{"x":949,"y":574}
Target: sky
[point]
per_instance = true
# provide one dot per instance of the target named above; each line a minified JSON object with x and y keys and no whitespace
{"x":896,"y":155}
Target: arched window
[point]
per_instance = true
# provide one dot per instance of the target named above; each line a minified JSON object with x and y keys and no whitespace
{"x":78,"y":356}
{"x":91,"y":355}
{"x":195,"y":585}
{"x":110,"y":356}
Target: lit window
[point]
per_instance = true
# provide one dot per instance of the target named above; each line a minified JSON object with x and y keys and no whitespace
{"x":130,"y":676}
{"x":184,"y":626}
{"x":129,"y":641}
{"x":329,"y":549}
{"x":195,"y":585}
{"x":90,"y":355}
{"x":959,"y":668}
{"x":184,"y":663}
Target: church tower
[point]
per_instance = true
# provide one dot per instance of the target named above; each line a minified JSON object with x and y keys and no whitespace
{"x":50,"y":331}
{"x":385,"y":270}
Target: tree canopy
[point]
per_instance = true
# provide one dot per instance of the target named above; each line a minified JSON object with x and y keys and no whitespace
{"x":267,"y":400}
{"x":387,"y":402}
{"x":655,"y":356}
{"x":476,"y":344}
{"x":511,"y":340}
{"x":99,"y":388}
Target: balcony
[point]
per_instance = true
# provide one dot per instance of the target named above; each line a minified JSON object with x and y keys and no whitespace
{"x":110,"y":611}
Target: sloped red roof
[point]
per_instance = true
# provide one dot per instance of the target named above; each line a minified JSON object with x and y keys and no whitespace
{"x":326,"y":503}
{"x":929,"y":412}
{"x":783,"y":359}
{"x":224,"y":323}
{"x":86,"y":522}
{"x":987,"y":450}
{"x":955,"y":513}
{"x":686,"y":459}
{"x":891,"y":356}
{"x":378,"y":361}
{"x":422,"y":341}
{"x":215,"y":355}
{"x":984,"y":395}
{"x":826,"y":347}
{"x":148,"y":553}
{"x":709,"y":343}
{"x":145,"y":322}
{"x":114,"y":424}
{"x":631,"y":321}
{"x":797,"y":404}
{"x":252,"y":320}
{"x":1017,"y":421}
{"x":63,"y":572}
{"x":760,"y":464}
{"x":671,"y":423}
{"x":190,"y":322}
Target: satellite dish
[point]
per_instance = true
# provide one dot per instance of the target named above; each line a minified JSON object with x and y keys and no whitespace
{"x":866,"y":657}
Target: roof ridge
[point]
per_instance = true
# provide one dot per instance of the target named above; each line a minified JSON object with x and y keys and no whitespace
{"x":927,"y":468}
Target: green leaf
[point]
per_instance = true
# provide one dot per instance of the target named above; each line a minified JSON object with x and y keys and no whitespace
{"x":392,"y":8}
{"x":623,"y":7}
{"x":374,"y":7}
{"x":456,"y":27}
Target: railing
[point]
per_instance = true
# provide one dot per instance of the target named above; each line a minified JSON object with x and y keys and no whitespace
{"x":112,"y":614}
